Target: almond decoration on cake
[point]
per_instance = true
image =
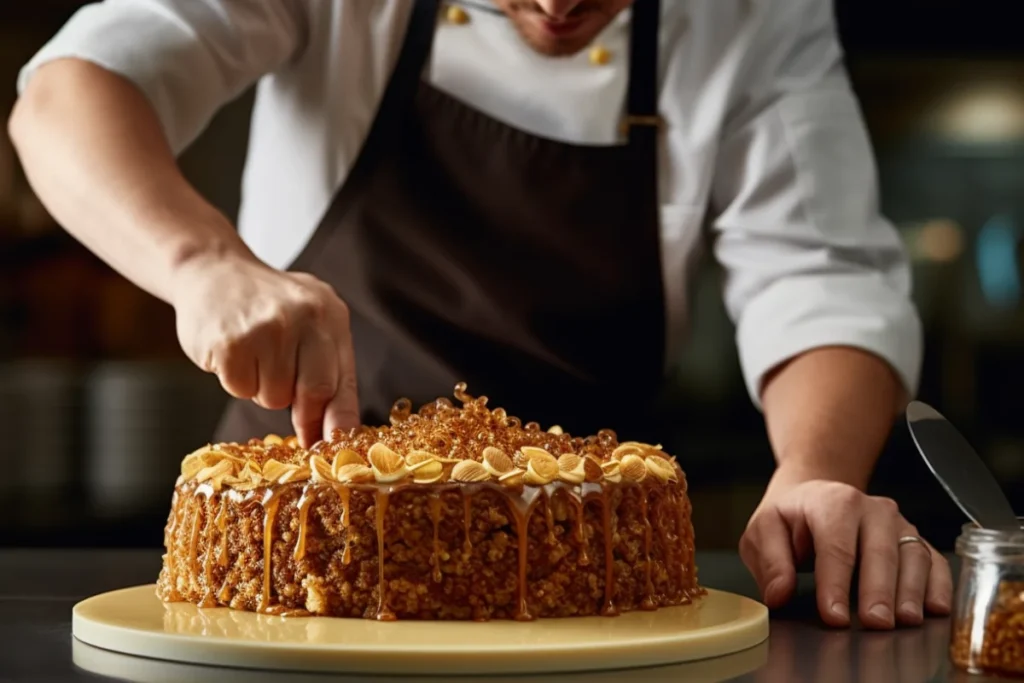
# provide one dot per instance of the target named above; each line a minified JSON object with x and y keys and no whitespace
{"x":447,"y":513}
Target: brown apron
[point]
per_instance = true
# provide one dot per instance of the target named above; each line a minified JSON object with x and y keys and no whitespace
{"x":469,"y":250}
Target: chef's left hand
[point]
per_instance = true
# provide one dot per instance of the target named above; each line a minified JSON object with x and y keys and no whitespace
{"x":840,"y":524}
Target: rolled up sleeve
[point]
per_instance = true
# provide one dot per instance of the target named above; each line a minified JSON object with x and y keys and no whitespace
{"x":809,"y":260}
{"x":188,"y":57}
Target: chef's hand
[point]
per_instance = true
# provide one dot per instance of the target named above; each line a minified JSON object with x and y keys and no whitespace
{"x":281,"y":339}
{"x":840,"y":524}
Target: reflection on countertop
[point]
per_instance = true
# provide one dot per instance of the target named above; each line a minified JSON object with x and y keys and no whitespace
{"x":795,"y":653}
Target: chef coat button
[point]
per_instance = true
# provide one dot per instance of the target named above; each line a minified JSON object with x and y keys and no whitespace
{"x":599,"y":55}
{"x":457,"y":15}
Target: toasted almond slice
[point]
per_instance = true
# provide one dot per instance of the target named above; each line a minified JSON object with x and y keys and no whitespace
{"x":273,"y":440}
{"x":243,"y":484}
{"x":429,"y":473}
{"x":642,"y":448}
{"x":571,"y":468}
{"x":633,"y":468}
{"x":272,"y":469}
{"x":470,"y":471}
{"x":419,"y":465}
{"x":418,"y":456}
{"x":387,"y":465}
{"x":512,"y":478}
{"x":612,"y":471}
{"x":660,"y":468}
{"x":555,"y":429}
{"x":292,"y":441}
{"x":221,"y":469}
{"x":354,"y":474}
{"x":191,"y":465}
{"x":250,"y":470}
{"x":345,"y":457}
{"x":210,"y":457}
{"x":535,"y":478}
{"x":430,"y":480}
{"x":592,"y":469}
{"x":542,"y":468}
{"x":425,"y":467}
{"x":496,"y":462}
{"x":628,"y":448}
{"x":320,"y":469}
{"x":294,"y":473}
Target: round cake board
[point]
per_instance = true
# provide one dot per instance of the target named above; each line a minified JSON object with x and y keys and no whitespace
{"x":134,"y":621}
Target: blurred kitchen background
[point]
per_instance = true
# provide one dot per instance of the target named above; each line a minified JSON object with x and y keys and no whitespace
{"x":98,"y":404}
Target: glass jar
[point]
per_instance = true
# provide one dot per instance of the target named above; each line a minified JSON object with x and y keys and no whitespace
{"x":987,"y":635}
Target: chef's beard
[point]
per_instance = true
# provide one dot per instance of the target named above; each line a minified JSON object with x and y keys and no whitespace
{"x":595,"y":15}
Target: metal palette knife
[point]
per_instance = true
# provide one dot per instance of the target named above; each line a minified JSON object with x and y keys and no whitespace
{"x":959,"y":469}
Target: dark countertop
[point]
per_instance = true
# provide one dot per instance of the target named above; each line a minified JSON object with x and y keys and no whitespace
{"x":39,"y":587}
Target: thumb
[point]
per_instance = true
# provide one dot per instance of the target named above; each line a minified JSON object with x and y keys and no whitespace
{"x":766,"y":548}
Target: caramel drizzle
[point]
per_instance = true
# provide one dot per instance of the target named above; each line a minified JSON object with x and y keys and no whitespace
{"x":384,"y":612}
{"x":549,"y":515}
{"x":648,"y":601}
{"x":194,"y":539}
{"x":305,"y":501}
{"x":522,"y":509}
{"x":609,"y":609}
{"x":270,"y":506}
{"x":224,"y":595}
{"x":171,"y":542}
{"x":208,"y":565}
{"x":435,"y":516}
{"x":344,"y":495}
{"x":222,"y":526}
{"x":576,"y":498}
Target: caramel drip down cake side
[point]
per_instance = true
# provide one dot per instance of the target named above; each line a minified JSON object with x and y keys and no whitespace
{"x":448,"y":513}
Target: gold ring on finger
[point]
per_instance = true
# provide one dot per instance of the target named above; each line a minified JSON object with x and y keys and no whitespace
{"x":912,"y":539}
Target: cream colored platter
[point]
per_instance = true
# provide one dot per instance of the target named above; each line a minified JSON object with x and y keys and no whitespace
{"x":133,"y":621}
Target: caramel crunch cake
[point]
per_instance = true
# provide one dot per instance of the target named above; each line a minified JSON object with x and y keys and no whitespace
{"x":448,"y":513}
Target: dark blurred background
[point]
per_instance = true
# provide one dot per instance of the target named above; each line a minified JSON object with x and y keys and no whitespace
{"x":98,"y":404}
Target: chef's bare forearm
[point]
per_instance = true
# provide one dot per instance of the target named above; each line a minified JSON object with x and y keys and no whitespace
{"x":94,"y":151}
{"x":829,"y":412}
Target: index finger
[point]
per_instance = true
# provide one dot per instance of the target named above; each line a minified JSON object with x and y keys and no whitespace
{"x":316,"y":384}
{"x":342,"y":411}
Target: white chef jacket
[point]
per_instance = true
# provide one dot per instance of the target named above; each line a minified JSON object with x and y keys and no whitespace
{"x":764,"y":143}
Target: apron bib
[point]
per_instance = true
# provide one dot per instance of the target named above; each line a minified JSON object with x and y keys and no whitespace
{"x":469,"y":250}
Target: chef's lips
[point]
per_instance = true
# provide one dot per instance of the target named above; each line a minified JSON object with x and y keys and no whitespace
{"x":561,"y":28}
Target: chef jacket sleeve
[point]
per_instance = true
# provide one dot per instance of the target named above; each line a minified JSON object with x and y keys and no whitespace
{"x":809,"y":261}
{"x":188,"y":57}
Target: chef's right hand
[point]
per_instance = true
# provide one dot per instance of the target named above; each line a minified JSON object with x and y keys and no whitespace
{"x":279,"y":338}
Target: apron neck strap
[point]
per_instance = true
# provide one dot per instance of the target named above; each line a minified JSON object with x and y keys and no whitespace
{"x":642,"y":100}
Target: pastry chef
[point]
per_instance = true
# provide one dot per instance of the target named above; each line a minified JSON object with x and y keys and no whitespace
{"x":514,"y":193}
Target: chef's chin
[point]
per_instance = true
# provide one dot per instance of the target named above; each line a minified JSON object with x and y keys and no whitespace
{"x":564,"y":36}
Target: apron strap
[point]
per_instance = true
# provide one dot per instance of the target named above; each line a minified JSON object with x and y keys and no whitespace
{"x":408,"y":70}
{"x":642,"y":100}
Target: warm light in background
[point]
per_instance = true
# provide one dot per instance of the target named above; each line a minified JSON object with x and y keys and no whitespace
{"x":982,"y":113}
{"x":940,"y":240}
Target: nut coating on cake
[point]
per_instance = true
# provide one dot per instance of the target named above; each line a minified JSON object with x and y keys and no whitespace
{"x":448,"y":513}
